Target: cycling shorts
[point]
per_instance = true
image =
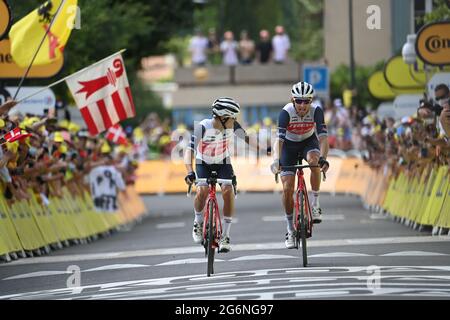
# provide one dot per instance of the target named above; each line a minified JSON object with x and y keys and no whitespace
{"x":203,"y":170}
{"x":292,"y":152}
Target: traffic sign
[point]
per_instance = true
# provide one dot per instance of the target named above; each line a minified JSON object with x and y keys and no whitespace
{"x":319,"y":77}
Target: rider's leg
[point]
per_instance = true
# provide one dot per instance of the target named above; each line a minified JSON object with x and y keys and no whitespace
{"x":228,"y":208}
{"x":288,"y":181}
{"x":199,"y":202}
{"x":313,"y":160}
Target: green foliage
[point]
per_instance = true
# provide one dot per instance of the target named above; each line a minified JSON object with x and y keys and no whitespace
{"x":302,"y":19}
{"x":440,"y":12}
{"x":142,"y":27}
{"x":146,"y":101}
{"x":340,"y":80}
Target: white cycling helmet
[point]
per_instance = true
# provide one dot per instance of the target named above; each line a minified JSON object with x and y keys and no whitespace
{"x":225,"y":107}
{"x":302,"y":90}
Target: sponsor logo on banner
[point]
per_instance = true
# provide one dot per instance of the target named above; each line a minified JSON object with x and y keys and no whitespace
{"x":5,"y":19}
{"x":433,"y":43}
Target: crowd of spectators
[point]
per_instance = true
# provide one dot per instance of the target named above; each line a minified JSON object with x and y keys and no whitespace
{"x":412,"y":142}
{"x":230,"y":52}
{"x":41,"y":154}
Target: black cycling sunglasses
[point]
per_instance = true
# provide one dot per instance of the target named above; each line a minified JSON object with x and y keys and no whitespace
{"x":302,"y":101}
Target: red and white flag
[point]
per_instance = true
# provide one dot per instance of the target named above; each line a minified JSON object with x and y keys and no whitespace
{"x":102,"y":94}
{"x":14,"y":135}
{"x":117,"y":135}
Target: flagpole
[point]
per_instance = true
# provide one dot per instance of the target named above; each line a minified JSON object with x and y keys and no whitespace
{"x":69,"y":76}
{"x":39,"y":48}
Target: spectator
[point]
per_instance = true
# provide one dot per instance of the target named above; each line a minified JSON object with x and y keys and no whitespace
{"x":264,"y":48}
{"x":198,"y":47}
{"x":229,"y":49}
{"x":281,"y":45}
{"x":246,"y":48}
{"x":445,"y":118}
{"x":213,"y":47}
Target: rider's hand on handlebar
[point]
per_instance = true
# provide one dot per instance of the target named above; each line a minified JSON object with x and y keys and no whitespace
{"x":190,"y":178}
{"x":324,"y":164}
{"x":275,"y":166}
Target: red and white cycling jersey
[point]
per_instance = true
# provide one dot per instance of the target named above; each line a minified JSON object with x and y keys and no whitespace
{"x":295,"y":128}
{"x":212,"y":145}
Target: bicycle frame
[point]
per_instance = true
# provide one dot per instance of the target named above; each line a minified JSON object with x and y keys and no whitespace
{"x":301,"y":188}
{"x":216,"y":215}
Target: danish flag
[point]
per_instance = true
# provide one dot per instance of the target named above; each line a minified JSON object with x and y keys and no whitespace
{"x":117,"y":135}
{"x":102,"y":94}
{"x":14,"y":135}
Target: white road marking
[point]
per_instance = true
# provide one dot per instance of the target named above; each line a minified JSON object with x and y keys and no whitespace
{"x":333,"y":217}
{"x":237,"y":247}
{"x":413,"y":254}
{"x":256,"y":285}
{"x":117,"y":267}
{"x":325,"y":217}
{"x":273,"y":218}
{"x":187,"y":261}
{"x":170,"y":225}
{"x":263,"y":257}
{"x":376,"y":216}
{"x":338,"y":255}
{"x":36,"y":274}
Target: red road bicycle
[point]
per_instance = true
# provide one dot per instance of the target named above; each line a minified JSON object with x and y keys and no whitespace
{"x":303,"y":221}
{"x":212,"y":226}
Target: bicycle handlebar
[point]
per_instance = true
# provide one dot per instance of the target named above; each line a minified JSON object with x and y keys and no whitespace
{"x":207,"y":180}
{"x":300,"y":167}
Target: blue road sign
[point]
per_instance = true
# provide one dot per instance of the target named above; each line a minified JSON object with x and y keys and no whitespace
{"x":318,"y":76}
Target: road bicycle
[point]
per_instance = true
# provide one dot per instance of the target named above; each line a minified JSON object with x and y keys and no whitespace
{"x":303,"y":221}
{"x":212,"y":226}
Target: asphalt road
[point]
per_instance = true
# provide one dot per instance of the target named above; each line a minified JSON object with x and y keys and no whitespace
{"x":353,"y":254}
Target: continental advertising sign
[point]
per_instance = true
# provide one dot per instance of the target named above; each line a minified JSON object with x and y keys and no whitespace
{"x":433,"y":43}
{"x":10,"y":70}
{"x":5,"y":19}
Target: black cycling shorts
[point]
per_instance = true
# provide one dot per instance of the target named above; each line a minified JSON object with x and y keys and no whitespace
{"x":292,"y":152}
{"x":203,"y":170}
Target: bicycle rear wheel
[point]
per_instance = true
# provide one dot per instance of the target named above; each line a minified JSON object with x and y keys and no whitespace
{"x":302,"y":229}
{"x":211,"y":238}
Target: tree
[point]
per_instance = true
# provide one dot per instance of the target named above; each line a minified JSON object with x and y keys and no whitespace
{"x":142,"y":27}
{"x":441,"y":11}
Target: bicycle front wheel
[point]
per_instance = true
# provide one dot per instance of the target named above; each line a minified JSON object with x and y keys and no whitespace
{"x":211,"y":235}
{"x":302,"y":229}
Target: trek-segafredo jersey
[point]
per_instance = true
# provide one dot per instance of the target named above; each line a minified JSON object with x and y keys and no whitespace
{"x":212,"y":145}
{"x":294,"y":128}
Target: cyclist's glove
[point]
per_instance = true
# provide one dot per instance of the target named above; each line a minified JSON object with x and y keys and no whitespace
{"x":323,"y":162}
{"x":190,"y":178}
{"x":275,"y":166}
{"x":234,"y":180}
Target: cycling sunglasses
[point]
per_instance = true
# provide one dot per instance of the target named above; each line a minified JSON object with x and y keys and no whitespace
{"x":302,"y":101}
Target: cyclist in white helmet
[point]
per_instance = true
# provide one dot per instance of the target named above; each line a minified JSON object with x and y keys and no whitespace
{"x":302,"y":133}
{"x":210,"y":143}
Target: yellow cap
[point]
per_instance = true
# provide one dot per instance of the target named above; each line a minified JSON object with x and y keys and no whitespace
{"x":105,"y":148}
{"x":165,"y":139}
{"x":58,"y":137}
{"x":63,"y":148}
{"x":2,"y":123}
{"x":73,"y":127}
{"x":267,"y":121}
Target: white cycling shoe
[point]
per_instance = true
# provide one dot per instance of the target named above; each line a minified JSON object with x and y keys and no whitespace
{"x":290,"y":243}
{"x":317,"y":214}
{"x":197,"y":232}
{"x":224,"y":245}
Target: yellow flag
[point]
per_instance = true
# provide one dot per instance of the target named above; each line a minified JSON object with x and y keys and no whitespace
{"x":26,"y":34}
